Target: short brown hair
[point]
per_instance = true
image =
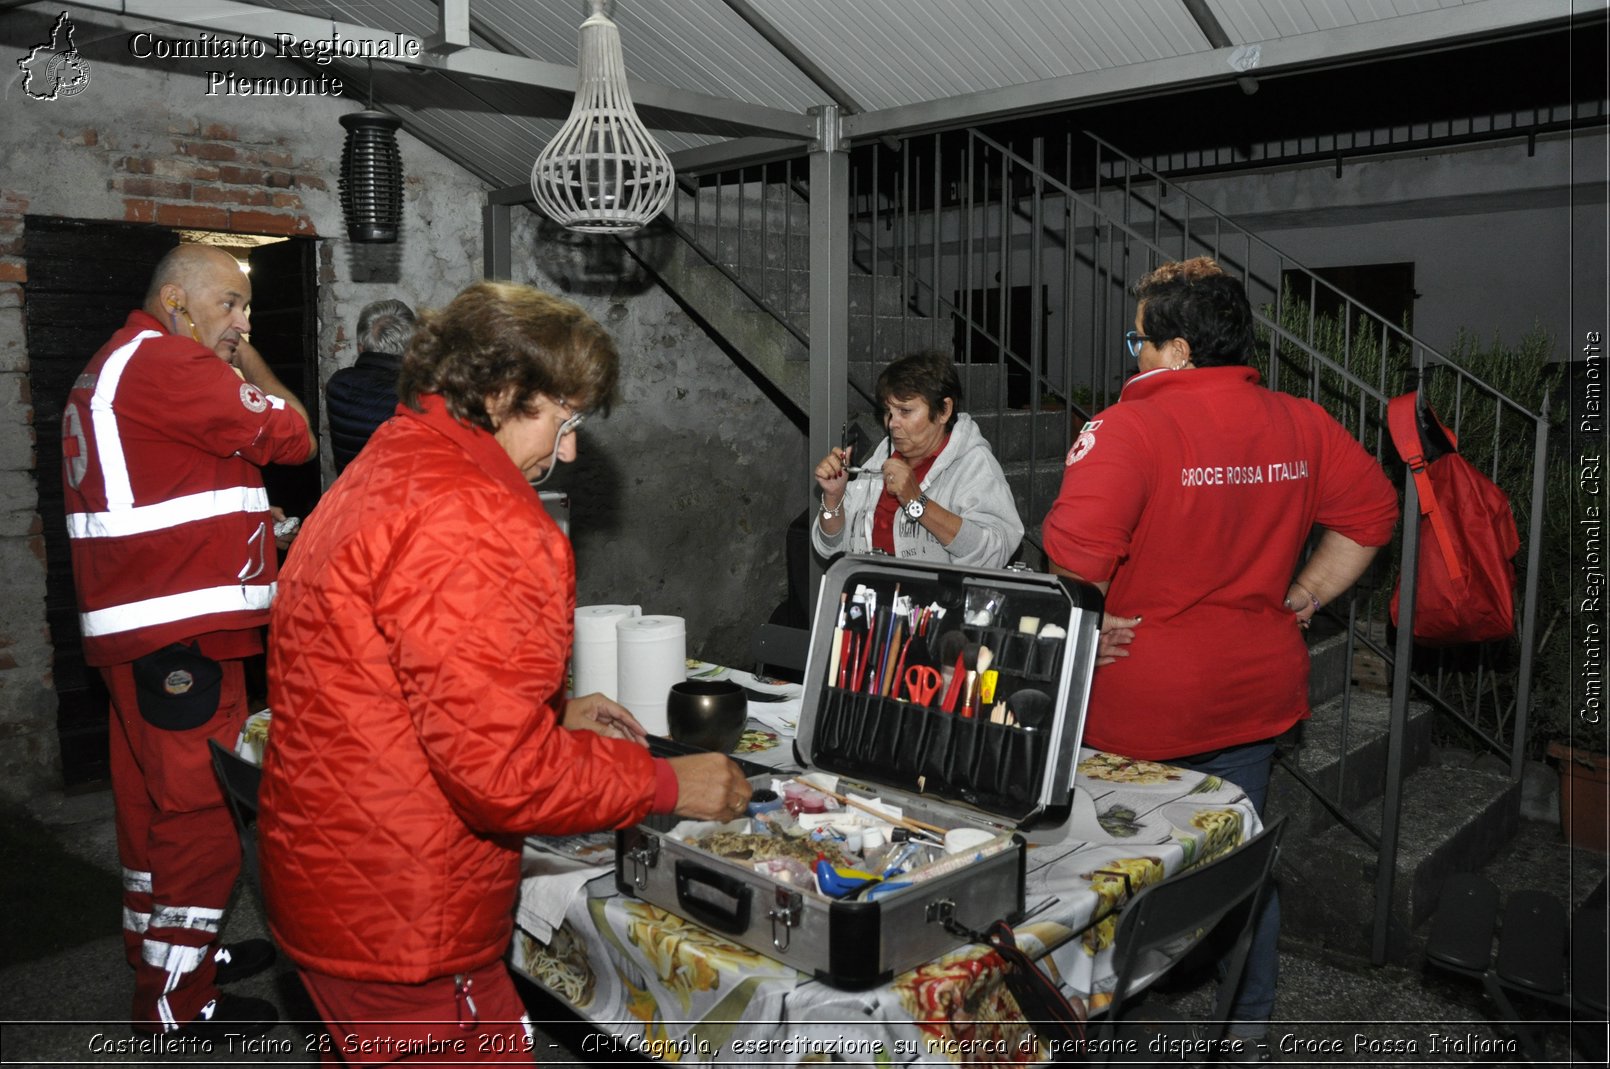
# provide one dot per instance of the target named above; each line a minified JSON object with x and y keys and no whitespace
{"x":497,"y":337}
{"x":1196,"y":300}
{"x":930,"y":375}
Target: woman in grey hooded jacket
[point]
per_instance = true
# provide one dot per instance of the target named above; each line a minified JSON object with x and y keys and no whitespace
{"x":932,"y":490}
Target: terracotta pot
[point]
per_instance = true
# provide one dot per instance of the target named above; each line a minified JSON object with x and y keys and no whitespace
{"x":1584,"y":796}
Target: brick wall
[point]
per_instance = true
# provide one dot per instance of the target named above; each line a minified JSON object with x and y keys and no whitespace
{"x":696,"y":457}
{"x":141,"y":144}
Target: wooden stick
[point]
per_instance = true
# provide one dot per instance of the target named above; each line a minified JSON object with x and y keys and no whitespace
{"x":909,"y":823}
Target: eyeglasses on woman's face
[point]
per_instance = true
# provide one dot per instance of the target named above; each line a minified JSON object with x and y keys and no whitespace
{"x":572,"y":420}
{"x":1136,"y":341}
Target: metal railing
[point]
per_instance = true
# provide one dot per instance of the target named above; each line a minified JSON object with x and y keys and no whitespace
{"x":752,"y":225}
{"x":964,"y":235}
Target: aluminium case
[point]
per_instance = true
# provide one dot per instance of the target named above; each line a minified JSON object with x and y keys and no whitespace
{"x":938,"y":767}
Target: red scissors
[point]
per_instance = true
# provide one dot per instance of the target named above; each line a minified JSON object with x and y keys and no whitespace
{"x":922,"y":683}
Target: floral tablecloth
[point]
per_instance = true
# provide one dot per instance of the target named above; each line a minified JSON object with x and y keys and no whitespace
{"x":660,"y":985}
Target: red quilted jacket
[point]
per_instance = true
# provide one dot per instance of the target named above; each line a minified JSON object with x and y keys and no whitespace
{"x":417,"y":653}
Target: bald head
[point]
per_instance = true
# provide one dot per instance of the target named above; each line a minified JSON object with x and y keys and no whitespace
{"x":201,"y":291}
{"x":184,"y":266}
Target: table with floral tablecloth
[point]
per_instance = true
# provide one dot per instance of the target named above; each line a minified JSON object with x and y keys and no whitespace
{"x":658,"y":984}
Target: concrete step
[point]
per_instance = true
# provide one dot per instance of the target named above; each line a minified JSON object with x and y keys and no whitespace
{"x":1018,"y":435}
{"x":882,"y":338}
{"x":1329,"y":672}
{"x":1454,"y":819}
{"x":981,"y":383}
{"x":1345,"y":759}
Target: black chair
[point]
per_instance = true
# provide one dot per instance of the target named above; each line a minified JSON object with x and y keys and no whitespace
{"x":781,"y":651}
{"x":1167,"y":918}
{"x":240,"y":780}
{"x":1540,"y":956}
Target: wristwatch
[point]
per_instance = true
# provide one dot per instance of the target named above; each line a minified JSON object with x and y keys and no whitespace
{"x":917,"y":506}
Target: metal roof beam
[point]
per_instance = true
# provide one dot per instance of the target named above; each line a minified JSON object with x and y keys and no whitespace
{"x":803,"y":63}
{"x":231,"y":17}
{"x":452,"y":28}
{"x":1437,"y":29}
{"x":739,"y":152}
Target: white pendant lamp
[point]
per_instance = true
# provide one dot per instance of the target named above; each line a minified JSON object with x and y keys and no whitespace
{"x":602,"y":173}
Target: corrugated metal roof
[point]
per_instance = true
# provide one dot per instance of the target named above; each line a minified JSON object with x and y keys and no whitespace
{"x":1267,"y":20}
{"x":882,"y":54}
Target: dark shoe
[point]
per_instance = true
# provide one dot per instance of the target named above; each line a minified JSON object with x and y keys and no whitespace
{"x":236,"y":961}
{"x":234,"y":1016}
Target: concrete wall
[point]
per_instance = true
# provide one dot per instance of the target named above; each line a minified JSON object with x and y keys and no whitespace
{"x":679,"y":499}
{"x":1490,"y":230}
{"x":690,"y":525}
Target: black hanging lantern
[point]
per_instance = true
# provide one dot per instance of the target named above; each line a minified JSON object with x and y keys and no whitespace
{"x":371,"y":176}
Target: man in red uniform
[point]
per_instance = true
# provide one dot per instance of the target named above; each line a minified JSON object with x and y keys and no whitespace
{"x":174,"y":563}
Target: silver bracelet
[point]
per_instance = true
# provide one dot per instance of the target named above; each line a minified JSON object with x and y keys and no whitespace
{"x":832,"y":513}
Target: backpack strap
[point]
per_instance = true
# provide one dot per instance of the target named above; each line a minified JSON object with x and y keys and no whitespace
{"x":1400,"y":420}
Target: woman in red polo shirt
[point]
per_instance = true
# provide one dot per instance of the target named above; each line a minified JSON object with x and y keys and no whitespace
{"x":1189,"y":502}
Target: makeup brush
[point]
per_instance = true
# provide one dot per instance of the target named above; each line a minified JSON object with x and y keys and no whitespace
{"x":949,"y":648}
{"x":838,"y":639}
{"x":963,"y":680}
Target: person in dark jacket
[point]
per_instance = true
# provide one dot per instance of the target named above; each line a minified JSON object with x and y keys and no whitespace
{"x":362,"y":397}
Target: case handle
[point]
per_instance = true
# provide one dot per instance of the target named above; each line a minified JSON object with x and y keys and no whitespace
{"x":692,"y":879}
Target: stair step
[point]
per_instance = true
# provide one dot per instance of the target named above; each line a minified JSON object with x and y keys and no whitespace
{"x":745,"y":248}
{"x":1329,"y":672}
{"x":1016,"y":435}
{"x":883,"y":338}
{"x":980,"y":382}
{"x":1043,"y":478}
{"x":1454,"y":819}
{"x":1351,"y":774}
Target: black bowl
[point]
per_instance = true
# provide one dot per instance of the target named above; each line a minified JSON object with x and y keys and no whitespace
{"x":707,"y":713}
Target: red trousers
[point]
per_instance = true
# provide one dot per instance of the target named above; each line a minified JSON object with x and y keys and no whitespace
{"x":178,"y":847}
{"x":432,"y":1023}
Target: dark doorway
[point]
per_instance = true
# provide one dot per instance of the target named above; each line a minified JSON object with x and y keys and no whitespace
{"x":983,"y":342}
{"x":84,"y":278}
{"x":285,"y":331}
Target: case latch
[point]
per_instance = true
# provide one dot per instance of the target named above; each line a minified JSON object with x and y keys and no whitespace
{"x":943,"y":913}
{"x":784,"y":916}
{"x":643,"y":857}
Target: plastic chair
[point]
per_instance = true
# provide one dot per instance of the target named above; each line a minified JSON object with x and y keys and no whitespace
{"x":781,"y":651}
{"x":240,"y":780}
{"x":1540,"y":956}
{"x":1167,"y":918}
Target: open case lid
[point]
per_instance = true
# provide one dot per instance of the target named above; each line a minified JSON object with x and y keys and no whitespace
{"x":860,"y":721}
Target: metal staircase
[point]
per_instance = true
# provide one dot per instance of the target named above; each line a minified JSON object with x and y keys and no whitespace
{"x":956,"y":240}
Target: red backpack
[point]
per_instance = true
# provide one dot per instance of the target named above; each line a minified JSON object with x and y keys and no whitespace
{"x":1465,"y":580}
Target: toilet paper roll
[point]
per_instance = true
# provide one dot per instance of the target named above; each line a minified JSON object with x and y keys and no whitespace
{"x":651,"y":655}
{"x":593,"y":662}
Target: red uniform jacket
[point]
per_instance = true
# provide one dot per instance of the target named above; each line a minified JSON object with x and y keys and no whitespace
{"x":170,"y":528}
{"x":417,"y":651}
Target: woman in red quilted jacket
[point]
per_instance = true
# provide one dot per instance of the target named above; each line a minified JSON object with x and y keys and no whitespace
{"x":417,"y":654}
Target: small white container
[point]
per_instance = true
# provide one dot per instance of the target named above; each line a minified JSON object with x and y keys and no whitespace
{"x":961,"y":840}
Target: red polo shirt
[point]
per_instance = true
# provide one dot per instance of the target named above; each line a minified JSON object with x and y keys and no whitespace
{"x":1195,"y":495}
